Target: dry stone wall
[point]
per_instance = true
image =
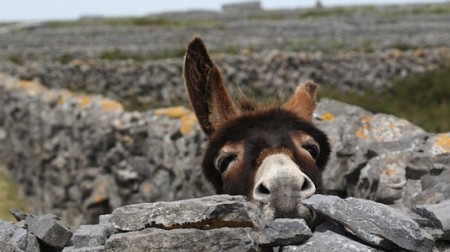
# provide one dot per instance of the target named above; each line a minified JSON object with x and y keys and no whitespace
{"x":81,"y":156}
{"x":231,"y":223}
{"x":265,"y":74}
{"x":334,"y":29}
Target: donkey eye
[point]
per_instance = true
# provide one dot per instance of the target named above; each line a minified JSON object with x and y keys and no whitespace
{"x":224,"y":161}
{"x":312,"y":149}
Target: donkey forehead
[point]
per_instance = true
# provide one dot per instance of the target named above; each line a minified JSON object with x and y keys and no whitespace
{"x":263,"y":131}
{"x":262,"y":140}
{"x":272,"y":127}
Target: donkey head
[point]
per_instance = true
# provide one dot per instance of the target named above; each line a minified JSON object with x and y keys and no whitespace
{"x":274,"y":155}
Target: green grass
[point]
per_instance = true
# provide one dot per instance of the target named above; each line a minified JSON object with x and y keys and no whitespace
{"x":16,"y":59}
{"x":326,"y":12}
{"x":267,"y":15}
{"x":392,"y":11}
{"x":422,"y":99}
{"x":9,"y":197}
{"x":140,"y":21}
{"x":65,"y":58}
{"x":117,"y":54}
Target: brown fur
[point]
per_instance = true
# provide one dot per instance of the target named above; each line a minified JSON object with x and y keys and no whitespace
{"x":253,"y":130}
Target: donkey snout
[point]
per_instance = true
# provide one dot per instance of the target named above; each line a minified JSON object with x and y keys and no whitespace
{"x":280,"y":184}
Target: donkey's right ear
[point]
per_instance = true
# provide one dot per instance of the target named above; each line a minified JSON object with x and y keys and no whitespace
{"x":207,"y":93}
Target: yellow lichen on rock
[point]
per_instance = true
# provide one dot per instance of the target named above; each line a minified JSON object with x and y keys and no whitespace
{"x":32,"y":87}
{"x":443,"y":141}
{"x":390,"y":171}
{"x":327,"y":117}
{"x":443,"y":51}
{"x":188,"y":119}
{"x":396,"y":53}
{"x":173,"y":112}
{"x":363,"y":131}
{"x":85,"y":101}
{"x":64,"y":95}
{"x":187,"y":123}
{"x":111,"y":106}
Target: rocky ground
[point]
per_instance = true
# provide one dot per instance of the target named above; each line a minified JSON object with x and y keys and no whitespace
{"x":264,"y":52}
{"x":366,"y":28}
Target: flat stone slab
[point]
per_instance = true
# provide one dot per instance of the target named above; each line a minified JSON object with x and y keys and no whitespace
{"x":281,"y":232}
{"x":330,"y":241}
{"x":439,"y":214}
{"x":202,"y":213}
{"x":89,"y":249}
{"x":375,"y":223}
{"x":155,"y":239}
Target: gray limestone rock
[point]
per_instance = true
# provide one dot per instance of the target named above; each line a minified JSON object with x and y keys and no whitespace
{"x":49,"y":230}
{"x":88,"y":249}
{"x":204,"y":213}
{"x":154,"y":239}
{"x":281,"y":232}
{"x":435,"y":188}
{"x":439,"y":214}
{"x":383,"y":178}
{"x":6,"y":228}
{"x":14,"y":238}
{"x":373,"y":222}
{"x":104,"y":219}
{"x":18,"y":214}
{"x":329,"y":241}
{"x":24,"y":240}
{"x":422,"y":164}
{"x":90,"y":236}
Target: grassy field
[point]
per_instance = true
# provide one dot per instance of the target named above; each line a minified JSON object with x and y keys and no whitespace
{"x":423,"y":99}
{"x":9,"y":196}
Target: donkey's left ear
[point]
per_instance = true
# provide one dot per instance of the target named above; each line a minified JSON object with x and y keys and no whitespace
{"x":303,"y":102}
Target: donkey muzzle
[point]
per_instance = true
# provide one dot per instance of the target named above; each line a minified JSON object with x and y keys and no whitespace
{"x":281,"y":186}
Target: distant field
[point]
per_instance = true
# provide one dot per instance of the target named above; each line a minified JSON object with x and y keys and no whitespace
{"x":9,"y":197}
{"x":422,"y":99}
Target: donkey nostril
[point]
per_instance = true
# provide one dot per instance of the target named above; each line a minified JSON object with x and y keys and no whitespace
{"x":263,"y":190}
{"x":306,"y":186}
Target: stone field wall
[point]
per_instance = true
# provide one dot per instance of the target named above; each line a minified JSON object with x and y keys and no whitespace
{"x":81,"y":157}
{"x":276,"y":73}
{"x":231,"y":223}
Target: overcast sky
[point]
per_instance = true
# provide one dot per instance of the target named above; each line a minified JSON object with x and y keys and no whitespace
{"x":18,"y":10}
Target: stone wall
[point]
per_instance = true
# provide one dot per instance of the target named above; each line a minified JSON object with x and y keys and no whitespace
{"x":334,"y":30}
{"x":267,"y":74}
{"x":231,"y":223}
{"x":80,"y":156}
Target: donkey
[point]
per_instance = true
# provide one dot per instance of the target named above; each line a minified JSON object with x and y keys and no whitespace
{"x":273,"y":154}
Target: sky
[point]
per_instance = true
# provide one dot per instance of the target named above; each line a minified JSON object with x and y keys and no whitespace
{"x":35,"y":10}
